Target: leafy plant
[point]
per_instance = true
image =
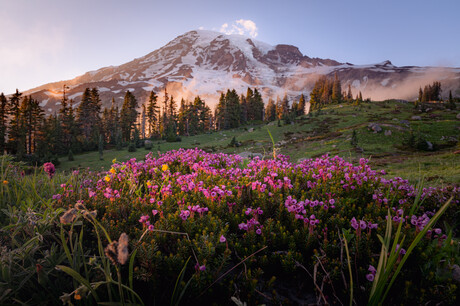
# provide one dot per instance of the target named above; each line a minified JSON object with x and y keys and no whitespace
{"x":388,"y":266}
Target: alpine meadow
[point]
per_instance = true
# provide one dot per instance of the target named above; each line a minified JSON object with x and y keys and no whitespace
{"x":227,"y":166}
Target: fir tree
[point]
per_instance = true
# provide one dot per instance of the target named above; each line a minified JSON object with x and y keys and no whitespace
{"x":258,"y":106}
{"x":128,"y":115}
{"x":153,"y":114}
{"x":220,"y":112}
{"x":301,"y":106}
{"x":83,"y":116}
{"x":244,"y":110}
{"x":349,"y":94}
{"x":14,"y":128}
{"x":270,"y":111}
{"x":182,"y":124}
{"x":285,"y":108}
{"x":32,"y":115}
{"x":171,"y":121}
{"x":143,"y":121}
{"x":233,"y":109}
{"x":3,"y":122}
{"x":279,"y":108}
{"x":164,"y":116}
{"x":336,"y":90}
{"x":250,"y":105}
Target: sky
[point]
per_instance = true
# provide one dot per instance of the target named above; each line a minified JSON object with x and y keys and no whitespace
{"x":44,"y":41}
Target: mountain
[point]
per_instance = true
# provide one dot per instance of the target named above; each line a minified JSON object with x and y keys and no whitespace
{"x":206,"y":63}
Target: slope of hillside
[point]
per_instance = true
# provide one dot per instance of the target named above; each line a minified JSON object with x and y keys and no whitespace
{"x":331,"y":132}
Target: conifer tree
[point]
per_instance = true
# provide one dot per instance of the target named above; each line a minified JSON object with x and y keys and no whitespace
{"x":14,"y":128}
{"x":143,"y":121}
{"x":182,"y":118}
{"x":164,"y":115}
{"x":336,"y":90}
{"x":220,"y":113}
{"x":279,"y":108}
{"x":128,"y":115}
{"x":95,"y":118}
{"x":31,"y":117}
{"x":67,"y":119}
{"x":301,"y":106}
{"x":84,"y":117}
{"x":171,"y":122}
{"x":233,"y":110}
{"x":153,"y":114}
{"x":258,"y":105}
{"x":270,"y":111}
{"x":349,"y":94}
{"x":285,"y":107}
{"x":294,"y":108}
{"x":3,"y":122}
{"x":250,"y":105}
{"x":244,"y":110}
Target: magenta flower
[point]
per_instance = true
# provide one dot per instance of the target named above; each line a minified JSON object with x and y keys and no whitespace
{"x":370,"y":277}
{"x":354,"y":223}
{"x":49,"y":169}
{"x":362,"y":224}
{"x":222,"y":239}
{"x":372,"y":269}
{"x":143,"y":219}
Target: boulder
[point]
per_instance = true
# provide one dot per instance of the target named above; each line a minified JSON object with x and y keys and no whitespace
{"x":250,"y":155}
{"x":458,"y":116}
{"x":416,"y":118}
{"x":250,"y":130}
{"x":375,"y":127}
{"x":429,"y":146}
{"x":406,"y":122}
{"x":456,"y":273}
{"x":387,"y":132}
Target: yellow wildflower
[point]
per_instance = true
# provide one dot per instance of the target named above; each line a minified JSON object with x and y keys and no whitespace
{"x":77,"y":296}
{"x":113,"y":171}
{"x":114,"y":161}
{"x":107,"y":178}
{"x":149,"y":183}
{"x":164,"y":167}
{"x":5,"y":182}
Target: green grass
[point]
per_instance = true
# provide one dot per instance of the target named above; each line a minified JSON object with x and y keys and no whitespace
{"x":330,"y":132}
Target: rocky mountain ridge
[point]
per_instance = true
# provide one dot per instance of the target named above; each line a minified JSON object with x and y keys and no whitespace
{"x":207,"y":63}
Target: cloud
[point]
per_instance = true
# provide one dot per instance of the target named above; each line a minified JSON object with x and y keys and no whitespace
{"x":241,"y":27}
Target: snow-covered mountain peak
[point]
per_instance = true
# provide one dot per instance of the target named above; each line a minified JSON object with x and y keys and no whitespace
{"x":206,"y":63}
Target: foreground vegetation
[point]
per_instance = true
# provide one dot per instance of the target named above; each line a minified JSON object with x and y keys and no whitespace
{"x":193,"y":227}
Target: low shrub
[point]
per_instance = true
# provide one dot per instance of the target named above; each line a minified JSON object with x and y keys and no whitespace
{"x":260,"y":231}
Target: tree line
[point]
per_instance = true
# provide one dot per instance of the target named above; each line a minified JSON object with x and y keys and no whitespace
{"x":27,"y":133}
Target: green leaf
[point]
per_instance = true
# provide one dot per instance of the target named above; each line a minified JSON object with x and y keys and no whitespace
{"x":75,"y":275}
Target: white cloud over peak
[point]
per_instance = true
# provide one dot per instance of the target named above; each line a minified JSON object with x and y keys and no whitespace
{"x":241,"y":27}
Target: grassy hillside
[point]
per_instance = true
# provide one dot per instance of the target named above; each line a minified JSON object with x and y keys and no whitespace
{"x":330,"y":131}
